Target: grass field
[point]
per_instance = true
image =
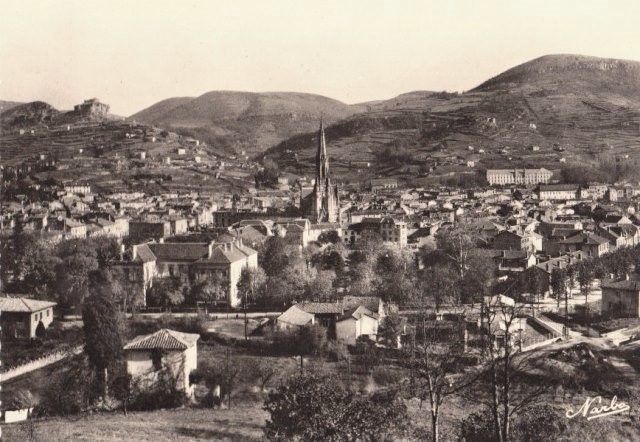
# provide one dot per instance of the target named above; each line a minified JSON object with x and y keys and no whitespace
{"x":243,"y":423}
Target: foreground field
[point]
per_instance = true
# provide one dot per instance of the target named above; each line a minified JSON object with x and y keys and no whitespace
{"x":240,"y":423}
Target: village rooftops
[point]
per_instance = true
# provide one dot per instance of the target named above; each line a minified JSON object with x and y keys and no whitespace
{"x":357,"y":313}
{"x":585,"y":238}
{"x":23,"y":305}
{"x":163,"y":339}
{"x":624,"y":284}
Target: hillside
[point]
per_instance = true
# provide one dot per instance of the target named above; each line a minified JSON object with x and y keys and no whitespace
{"x":572,"y":108}
{"x":238,"y":121}
{"x":6,"y":105}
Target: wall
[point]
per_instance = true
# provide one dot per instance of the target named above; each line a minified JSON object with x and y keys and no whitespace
{"x":39,"y":363}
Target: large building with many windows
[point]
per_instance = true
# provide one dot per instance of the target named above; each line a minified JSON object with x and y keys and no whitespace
{"x":497,"y":177}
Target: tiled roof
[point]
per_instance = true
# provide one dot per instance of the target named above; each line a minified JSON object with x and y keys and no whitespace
{"x":164,"y":339}
{"x":145,"y":254}
{"x":180,"y":251}
{"x":321,"y":307}
{"x":23,"y":305}
{"x":295,"y":316}
{"x":358,"y":313}
{"x":625,"y":284}
{"x":585,"y":238}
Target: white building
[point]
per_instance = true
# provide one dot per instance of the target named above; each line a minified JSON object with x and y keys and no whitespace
{"x":166,"y":350}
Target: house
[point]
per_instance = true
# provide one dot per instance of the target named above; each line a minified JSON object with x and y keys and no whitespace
{"x":24,"y":317}
{"x":196,"y":261}
{"x":509,"y":240}
{"x":330,"y":313}
{"x":177,"y":353}
{"x":294,"y":316}
{"x":621,"y":298}
{"x":592,"y":244}
{"x":562,"y":192}
{"x":383,"y":184}
{"x":386,"y":228}
{"x":141,"y":230}
{"x":355,"y":323}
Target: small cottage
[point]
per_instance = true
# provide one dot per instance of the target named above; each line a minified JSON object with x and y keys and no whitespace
{"x":148,"y":355}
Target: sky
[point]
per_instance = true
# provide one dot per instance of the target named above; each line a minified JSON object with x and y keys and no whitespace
{"x":134,"y":53}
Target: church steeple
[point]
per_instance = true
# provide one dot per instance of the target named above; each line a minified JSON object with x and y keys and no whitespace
{"x":322,"y":162}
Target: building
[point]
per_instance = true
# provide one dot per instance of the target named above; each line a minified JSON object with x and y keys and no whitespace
{"x":383,"y":184}
{"x":91,"y":107}
{"x":386,"y":229}
{"x":355,"y":323}
{"x":518,"y":176}
{"x":196,"y":261}
{"x":322,"y":204}
{"x":621,"y":298}
{"x":348,"y":318}
{"x":593,"y":245}
{"x":561,"y":192}
{"x":143,"y":230}
{"x":24,"y":317}
{"x":168,"y":351}
{"x":508,"y":240}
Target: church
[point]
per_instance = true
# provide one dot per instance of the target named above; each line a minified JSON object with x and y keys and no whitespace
{"x":322,"y":205}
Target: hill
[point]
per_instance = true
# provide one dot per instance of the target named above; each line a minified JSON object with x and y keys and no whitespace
{"x":574,"y":109}
{"x":6,"y":105}
{"x":248,"y":121}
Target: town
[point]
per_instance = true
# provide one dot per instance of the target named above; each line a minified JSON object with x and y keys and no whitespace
{"x":389,"y":279}
{"x":333,"y":221}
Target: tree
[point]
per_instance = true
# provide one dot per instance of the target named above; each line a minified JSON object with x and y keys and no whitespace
{"x":585,"y":278}
{"x":322,"y":284}
{"x":209,"y":290}
{"x":505,"y":384}
{"x":103,"y":344}
{"x":263,"y":371}
{"x":330,"y":236}
{"x":432,"y":359}
{"x":558,"y":283}
{"x":391,"y":328}
{"x":313,"y":408}
{"x":167,"y":292}
{"x":276,"y":257}
{"x":479,"y":277}
{"x":251,"y":282}
{"x":439,"y":286}
{"x":456,"y":245}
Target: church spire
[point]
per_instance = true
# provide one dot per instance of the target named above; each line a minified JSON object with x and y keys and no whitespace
{"x":322,"y":163}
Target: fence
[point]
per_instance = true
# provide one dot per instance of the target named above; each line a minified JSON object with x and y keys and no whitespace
{"x":39,"y":363}
{"x":538,"y":341}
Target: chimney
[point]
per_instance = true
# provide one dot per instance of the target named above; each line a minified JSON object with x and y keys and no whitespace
{"x":626,"y":276}
{"x":134,"y":252}
{"x":122,"y":250}
{"x":210,"y":250}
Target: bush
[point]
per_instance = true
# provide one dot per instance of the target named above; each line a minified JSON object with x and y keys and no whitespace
{"x":164,"y":393}
{"x":70,"y":392}
{"x":335,"y":351}
{"x":478,"y":427}
{"x":313,"y":408}
{"x":384,"y":376}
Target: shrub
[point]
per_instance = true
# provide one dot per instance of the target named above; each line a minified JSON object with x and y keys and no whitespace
{"x":163,"y":393}
{"x":335,"y":351}
{"x":312,"y":408}
{"x":478,"y":427}
{"x":384,"y":376}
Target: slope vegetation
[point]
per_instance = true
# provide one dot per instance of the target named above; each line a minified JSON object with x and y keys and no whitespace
{"x":573,"y":109}
{"x":244,"y":120}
